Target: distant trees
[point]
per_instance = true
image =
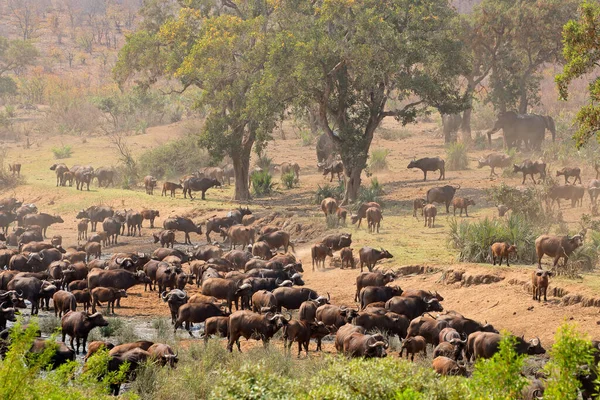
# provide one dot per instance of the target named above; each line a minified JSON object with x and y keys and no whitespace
{"x":582,"y":55}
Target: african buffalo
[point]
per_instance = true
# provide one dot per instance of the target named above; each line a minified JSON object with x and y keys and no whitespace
{"x":442,"y":194}
{"x":184,"y":225}
{"x":429,"y":164}
{"x":78,"y":325}
{"x":256,"y":326}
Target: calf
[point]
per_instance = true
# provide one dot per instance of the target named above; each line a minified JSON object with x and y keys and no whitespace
{"x":83,"y":297}
{"x":462,"y":204}
{"x":372,"y":279}
{"x":171,"y":187}
{"x":165,"y":237}
{"x":447,"y":366}
{"x":502,"y":250}
{"x":63,"y":303}
{"x":110,"y":295}
{"x":568,"y":172}
{"x":374,"y":217}
{"x":262,"y":250}
{"x":301,"y":332}
{"x":319,"y":252}
{"x":15,"y":168}
{"x":539,"y":283}
{"x":530,"y":168}
{"x":336,"y":167}
{"x":329,"y":206}
{"x":150,"y":215}
{"x":215,"y":326}
{"x":347,"y":258}
{"x":418,"y":204}
{"x":93,"y":249}
{"x":413,"y":345}
{"x":452,"y":349}
{"x":369,"y":257}
{"x":429,"y":213}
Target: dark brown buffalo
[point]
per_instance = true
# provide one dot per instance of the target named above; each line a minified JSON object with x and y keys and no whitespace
{"x":462,"y":204}
{"x":43,"y":220}
{"x":125,"y":347}
{"x":369,"y":257}
{"x":392,"y":323}
{"x":568,"y":172}
{"x":374,"y":218}
{"x":302,"y":332}
{"x":133,"y":359}
{"x":253,"y":326}
{"x":347,"y":258}
{"x":83,"y":297}
{"x":109,"y":295}
{"x":165,"y":237}
{"x":343,"y":332}
{"x":362,"y":213}
{"x":32,"y":289}
{"x":292,"y":297}
{"x":428,"y":328}
{"x":195,"y":184}
{"x":105,"y":176}
{"x":115,"y":278}
{"x":413,"y":345}
{"x":368,"y":346}
{"x":453,"y":349}
{"x":78,"y":325}
{"x":61,"y":355}
{"x":236,"y":258}
{"x":24,"y":210}
{"x":557,"y":247}
{"x":223,"y":289}
{"x":149,"y":184}
{"x":83,"y":176}
{"x":77,"y":285}
{"x":163,"y":354}
{"x":412,"y":307}
{"x":465,"y":326}
{"x":112,"y":227}
{"x":95,"y":214}
{"x":63,"y":303}
{"x":262,"y":250}
{"x":529,"y":167}
{"x":319,"y":253}
{"x":60,"y":169}
{"x":150,"y":215}
{"x":335,"y":167}
{"x":95,"y":346}
{"x":424,"y":294}
{"x":196,"y":312}
{"x":373,"y":294}
{"x":264,"y":299}
{"x":238,"y":234}
{"x":93,"y":249}
{"x":7,"y":314}
{"x":372,"y":279}
{"x":429,"y":164}
{"x":277,"y":239}
{"x":215,"y":224}
{"x":184,"y":225}
{"x":308,"y":310}
{"x":448,"y":367}
{"x":442,"y":194}
{"x":175,"y":299}
{"x":166,"y":277}
{"x":34,"y":247}
{"x":205,"y":253}
{"x":170,"y":187}
{"x":215,"y":326}
{"x":486,"y":344}
{"x":337,"y":241}
{"x":332,"y":315}
{"x":134,"y":222}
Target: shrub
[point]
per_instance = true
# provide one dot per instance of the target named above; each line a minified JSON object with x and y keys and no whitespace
{"x":570,"y":352}
{"x":473,"y":239}
{"x":483,"y":116}
{"x":371,"y":193}
{"x":173,"y":159}
{"x":64,"y":151}
{"x":523,"y":202}
{"x":336,"y":192}
{"x":457,"y":157}
{"x":289,"y":179}
{"x":264,"y":162}
{"x":306,"y":137}
{"x":7,"y":179}
{"x":393,"y":134}
{"x":262,"y":183}
{"x":378,"y":160}
{"x":499,"y":377}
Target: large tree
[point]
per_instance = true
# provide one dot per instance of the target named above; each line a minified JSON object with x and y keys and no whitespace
{"x":582,"y":54}
{"x":362,"y":61}
{"x":220,"y":48}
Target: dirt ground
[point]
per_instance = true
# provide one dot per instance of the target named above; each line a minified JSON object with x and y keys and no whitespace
{"x":505,"y":304}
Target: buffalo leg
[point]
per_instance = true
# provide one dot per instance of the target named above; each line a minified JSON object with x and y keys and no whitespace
{"x":424,"y":176}
{"x":71,"y":339}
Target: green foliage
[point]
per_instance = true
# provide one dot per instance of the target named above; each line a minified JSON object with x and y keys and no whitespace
{"x":526,"y":203}
{"x":582,"y":56}
{"x":570,"y":353}
{"x":264,"y":162}
{"x":262,"y":183}
{"x":16,"y":55}
{"x":473,"y":239}
{"x":499,"y":378}
{"x":378,"y":160}
{"x":307,"y":137}
{"x":371,"y":193}
{"x":289,"y":179}
{"x":64,"y":151}
{"x":323,"y":192}
{"x":457,"y":157}
{"x":173,"y":159}
{"x":8,"y":87}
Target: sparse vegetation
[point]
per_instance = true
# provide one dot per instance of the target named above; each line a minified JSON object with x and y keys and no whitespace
{"x":378,"y":160}
{"x":64,"y":151}
{"x":173,"y":159}
{"x":473,"y":239}
{"x":327,"y":190}
{"x":289,"y":179}
{"x":393,"y":134}
{"x":262,"y":183}
{"x":527,"y":202}
{"x":457,"y":157}
{"x":371,"y":193}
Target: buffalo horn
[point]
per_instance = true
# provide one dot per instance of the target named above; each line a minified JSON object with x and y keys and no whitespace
{"x":2,"y":306}
{"x":290,"y":318}
{"x":164,"y":296}
{"x":430,"y":301}
{"x":182,"y":294}
{"x":379,"y":343}
{"x":328,"y":297}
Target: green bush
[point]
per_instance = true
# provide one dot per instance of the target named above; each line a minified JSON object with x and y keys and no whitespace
{"x":499,"y":377}
{"x":371,"y":193}
{"x":378,"y":160}
{"x":289,"y":179}
{"x":306,"y":137}
{"x":173,"y":159}
{"x":571,"y":351}
{"x":64,"y":151}
{"x":264,"y":162}
{"x":457,"y":157}
{"x":262,"y":183}
{"x":336,"y":192}
{"x":527,"y":202}
{"x":473,"y":239}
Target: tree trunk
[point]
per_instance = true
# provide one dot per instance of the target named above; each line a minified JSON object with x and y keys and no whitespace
{"x":465,"y":125}
{"x":352,"y":185}
{"x":523,"y":100}
{"x":241,"y":167}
